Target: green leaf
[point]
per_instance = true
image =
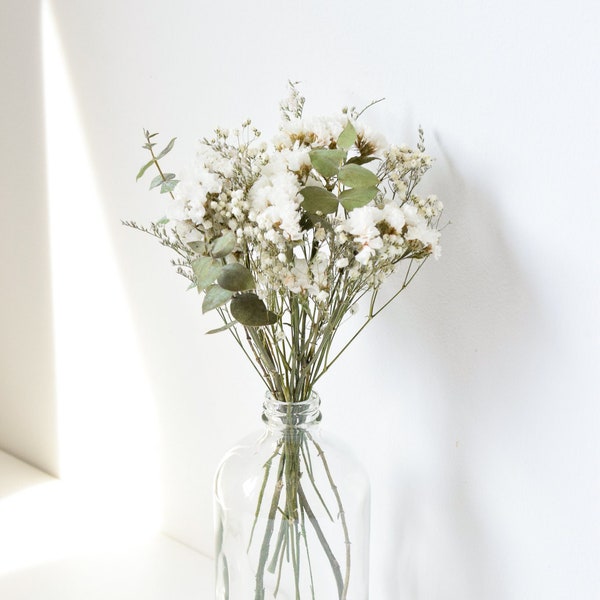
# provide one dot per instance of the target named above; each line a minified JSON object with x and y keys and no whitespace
{"x":162,"y":221}
{"x":197,"y":246}
{"x":224,"y":328}
{"x":249,"y":310}
{"x":236,"y":278}
{"x":156,"y":181}
{"x":356,"y":176}
{"x":318,"y":199}
{"x":214,"y":297}
{"x":223,"y":245}
{"x":361,"y":160}
{"x":311,"y":220}
{"x":347,"y":137}
{"x":306,"y":222}
{"x":144,"y":168}
{"x":159,"y":179}
{"x":167,"y":149}
{"x":327,"y":162}
{"x":206,"y":270}
{"x":357,"y":197}
{"x":168,"y":186}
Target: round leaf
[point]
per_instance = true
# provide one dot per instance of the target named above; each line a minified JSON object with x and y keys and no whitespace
{"x":250,"y":310}
{"x":327,"y":162}
{"x":206,"y":270}
{"x":197,"y":246}
{"x":318,"y":199}
{"x":236,"y":278}
{"x":347,"y":137}
{"x":214,"y":297}
{"x":356,"y":176}
{"x":357,"y":197}
{"x":223,"y":245}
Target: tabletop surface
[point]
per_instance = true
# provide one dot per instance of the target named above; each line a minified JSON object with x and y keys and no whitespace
{"x":43,"y":556}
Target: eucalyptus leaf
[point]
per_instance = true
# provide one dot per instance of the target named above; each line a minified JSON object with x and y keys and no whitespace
{"x":356,"y":176}
{"x":357,"y":197}
{"x":197,"y":246}
{"x":311,"y":220}
{"x":144,"y":169}
{"x":249,"y":310}
{"x":327,"y":162}
{"x":306,"y":222}
{"x":156,"y":181}
{"x":168,"y":186}
{"x":206,"y":270}
{"x":347,"y":137}
{"x":167,"y":149}
{"x":361,"y":160}
{"x":318,"y":199}
{"x":214,"y":297}
{"x":236,"y":278}
{"x":223,"y":245}
{"x":161,"y":178}
{"x":224,"y":328}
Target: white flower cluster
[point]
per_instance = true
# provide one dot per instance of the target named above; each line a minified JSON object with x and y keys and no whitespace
{"x":254,"y":190}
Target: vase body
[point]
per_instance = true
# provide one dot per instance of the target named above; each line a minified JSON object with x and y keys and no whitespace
{"x":291,"y":513}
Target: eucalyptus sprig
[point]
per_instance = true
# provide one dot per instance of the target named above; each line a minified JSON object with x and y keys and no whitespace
{"x":166,"y":181}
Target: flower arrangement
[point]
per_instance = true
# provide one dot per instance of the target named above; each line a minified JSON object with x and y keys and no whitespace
{"x":282,"y":240}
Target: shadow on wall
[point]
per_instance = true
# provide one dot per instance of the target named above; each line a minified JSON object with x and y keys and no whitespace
{"x":478,"y":318}
{"x":27,"y":386}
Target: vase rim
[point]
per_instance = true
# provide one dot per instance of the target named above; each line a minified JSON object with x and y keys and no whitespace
{"x":312,"y":399}
{"x":279,"y":414}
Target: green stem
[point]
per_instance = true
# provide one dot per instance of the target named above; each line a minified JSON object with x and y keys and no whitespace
{"x":157,"y":165}
{"x":342,"y":515}
{"x":310,"y":573}
{"x":267,"y":467}
{"x":335,"y":566}
{"x":264,"y":551}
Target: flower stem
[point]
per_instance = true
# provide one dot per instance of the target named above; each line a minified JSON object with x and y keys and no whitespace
{"x":342,"y":515}
{"x":335,"y":565}
{"x":264,"y":551}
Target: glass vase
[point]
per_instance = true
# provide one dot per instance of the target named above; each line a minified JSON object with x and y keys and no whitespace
{"x":291,"y":512}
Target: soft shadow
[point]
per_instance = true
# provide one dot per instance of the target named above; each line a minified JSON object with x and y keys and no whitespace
{"x":28,"y":427}
{"x":476,"y":316}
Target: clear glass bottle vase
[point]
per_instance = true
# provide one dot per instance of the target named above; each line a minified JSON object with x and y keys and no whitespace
{"x":291,"y":513}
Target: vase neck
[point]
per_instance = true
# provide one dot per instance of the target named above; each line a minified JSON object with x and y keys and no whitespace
{"x":296,"y":415}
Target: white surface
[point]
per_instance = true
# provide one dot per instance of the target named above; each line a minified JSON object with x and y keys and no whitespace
{"x":51,"y":548}
{"x":159,"y":569}
{"x":481,"y":381}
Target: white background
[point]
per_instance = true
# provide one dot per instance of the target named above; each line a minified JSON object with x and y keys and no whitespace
{"x":473,"y":401}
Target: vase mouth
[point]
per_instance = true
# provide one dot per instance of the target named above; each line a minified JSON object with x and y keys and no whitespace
{"x":280,"y":414}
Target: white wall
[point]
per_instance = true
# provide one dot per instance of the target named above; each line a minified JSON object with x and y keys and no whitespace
{"x":480,"y":382}
{"x":27,"y":400}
